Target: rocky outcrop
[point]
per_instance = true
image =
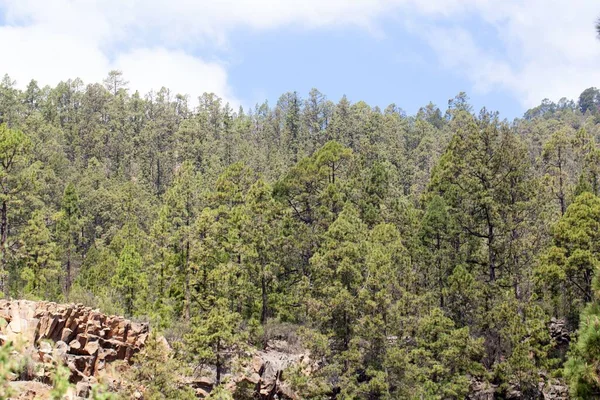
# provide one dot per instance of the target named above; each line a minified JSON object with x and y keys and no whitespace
{"x":481,"y":390}
{"x":262,"y":376}
{"x":559,"y":332}
{"x":265,"y":373}
{"x":553,"y":389}
{"x":87,"y":341}
{"x":83,"y":338}
{"x":548,"y":389}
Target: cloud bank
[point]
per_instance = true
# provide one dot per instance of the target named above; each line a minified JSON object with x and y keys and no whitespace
{"x":547,"y":47}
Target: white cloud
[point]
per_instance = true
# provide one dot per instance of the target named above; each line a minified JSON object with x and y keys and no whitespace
{"x":548,"y":47}
{"x":34,"y":52}
{"x":52,"y":41}
{"x":176,"y":70}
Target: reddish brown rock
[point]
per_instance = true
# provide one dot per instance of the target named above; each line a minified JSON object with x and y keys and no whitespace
{"x":94,"y":339}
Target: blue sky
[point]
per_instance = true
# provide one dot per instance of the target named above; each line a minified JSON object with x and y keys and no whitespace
{"x":506,"y":55}
{"x":396,"y":68}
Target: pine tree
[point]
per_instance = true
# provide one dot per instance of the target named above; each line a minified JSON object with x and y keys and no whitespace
{"x":567,"y":268}
{"x":14,"y":160}
{"x":173,"y":233}
{"x":338,"y":273}
{"x":438,"y":252}
{"x":158,"y":373}
{"x":216,"y":338}
{"x":259,"y":232}
{"x":42,"y":266}
{"x":556,"y":158}
{"x":69,"y":230}
{"x":440,"y":363}
{"x":578,"y":258}
{"x":129,"y":277}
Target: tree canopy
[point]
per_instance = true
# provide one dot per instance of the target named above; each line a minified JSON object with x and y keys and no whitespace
{"x":414,"y":254}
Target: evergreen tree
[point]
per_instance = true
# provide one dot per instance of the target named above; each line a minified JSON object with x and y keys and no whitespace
{"x":556,"y":157}
{"x":440,"y":363}
{"x":567,"y":268}
{"x":129,"y":277}
{"x":390,"y":243}
{"x":173,"y":230}
{"x":436,"y":236}
{"x":42,"y":266}
{"x":14,"y":160}
{"x":158,"y":373}
{"x":215,"y":339}
{"x":69,"y":230}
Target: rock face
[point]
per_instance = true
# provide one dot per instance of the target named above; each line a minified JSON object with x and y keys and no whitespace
{"x":265,"y":373}
{"x":262,"y":376}
{"x":85,"y":339}
{"x":559,"y":332}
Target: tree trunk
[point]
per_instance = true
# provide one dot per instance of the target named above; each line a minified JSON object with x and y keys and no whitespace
{"x":439,"y":267}
{"x":68,"y":268}
{"x":491,"y":254}
{"x":263,"y":284}
{"x":186,"y":306}
{"x":3,"y":240}
{"x":158,"y":183}
{"x":218,"y":363}
{"x":561,"y":192}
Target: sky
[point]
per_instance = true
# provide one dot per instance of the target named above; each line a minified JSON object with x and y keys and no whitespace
{"x":507,"y":55}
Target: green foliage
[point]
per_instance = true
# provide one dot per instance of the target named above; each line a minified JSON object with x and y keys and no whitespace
{"x":215,"y":339}
{"x":589,"y":100}
{"x":220,"y":393}
{"x":42,"y":267}
{"x":129,"y":278}
{"x":569,"y":265}
{"x":69,"y":227}
{"x":60,"y":382}
{"x":440,"y":362}
{"x":390,"y":244}
{"x":15,"y":179}
{"x":9,"y":365}
{"x":581,"y":368}
{"x":577,"y":232}
{"x":157,"y":373}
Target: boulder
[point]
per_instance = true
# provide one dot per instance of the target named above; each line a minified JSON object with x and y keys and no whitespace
{"x":91,"y":348}
{"x":83,"y":389}
{"x":66,"y":335}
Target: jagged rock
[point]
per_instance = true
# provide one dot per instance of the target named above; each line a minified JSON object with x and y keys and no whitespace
{"x":91,"y":348}
{"x":163,"y":342}
{"x":481,"y":390}
{"x":60,"y":350}
{"x":514,"y":393}
{"x":30,"y":390}
{"x":202,"y":383}
{"x":45,"y":347}
{"x":287,"y":392}
{"x":94,"y":339}
{"x":554,"y":390}
{"x":83,"y":389}
{"x":75,"y":346}
{"x":548,"y":389}
{"x":264,"y":372}
{"x":66,"y":335}
{"x":559,"y":332}
{"x":253,"y":378}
